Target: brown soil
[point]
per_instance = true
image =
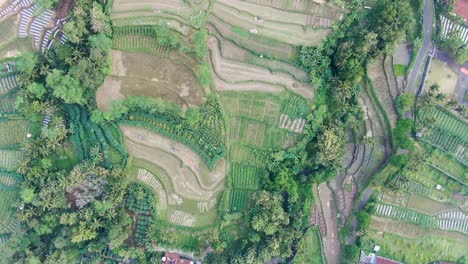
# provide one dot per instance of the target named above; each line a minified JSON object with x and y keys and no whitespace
{"x":377,"y":76}
{"x":188,"y":180}
{"x":141,"y":74}
{"x":409,"y":230}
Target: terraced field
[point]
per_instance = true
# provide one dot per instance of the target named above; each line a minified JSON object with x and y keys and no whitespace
{"x":187,"y":190}
{"x":13,"y":133}
{"x":181,"y":16}
{"x":445,"y":131}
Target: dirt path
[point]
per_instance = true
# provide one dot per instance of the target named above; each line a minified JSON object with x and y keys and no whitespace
{"x":331,"y":243}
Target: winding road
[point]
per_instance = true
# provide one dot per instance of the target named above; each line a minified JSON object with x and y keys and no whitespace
{"x":428,"y":22}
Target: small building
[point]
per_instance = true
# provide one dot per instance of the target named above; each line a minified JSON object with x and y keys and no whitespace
{"x":461,"y":9}
{"x":173,"y":258}
{"x":374,"y":259}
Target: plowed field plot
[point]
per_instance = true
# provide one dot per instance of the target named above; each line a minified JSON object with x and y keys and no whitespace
{"x":384,"y":91}
{"x":237,"y":72}
{"x":232,"y":51}
{"x":253,"y":42}
{"x":148,"y":75}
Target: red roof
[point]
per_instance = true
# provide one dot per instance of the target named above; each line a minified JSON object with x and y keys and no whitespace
{"x":172,"y":258}
{"x":461,"y":8}
{"x":380,"y":260}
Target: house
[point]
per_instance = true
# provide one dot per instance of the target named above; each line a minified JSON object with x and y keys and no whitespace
{"x":374,"y":259}
{"x":173,"y":258}
{"x":461,"y":9}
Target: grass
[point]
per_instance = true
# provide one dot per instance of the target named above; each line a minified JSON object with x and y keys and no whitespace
{"x":15,"y":47}
{"x":7,"y":30}
{"x":441,"y":73}
{"x":399,"y":69}
{"x":423,"y":249}
{"x":309,"y":251}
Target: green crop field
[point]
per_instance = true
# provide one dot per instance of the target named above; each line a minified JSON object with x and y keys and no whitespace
{"x":239,"y":200}
{"x":444,"y":130}
{"x":138,"y":38}
{"x":245,"y":177}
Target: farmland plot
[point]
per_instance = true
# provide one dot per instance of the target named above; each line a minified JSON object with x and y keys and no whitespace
{"x":232,"y":51}
{"x":377,"y":74}
{"x":140,"y":74}
{"x":207,"y":179}
{"x":252,"y":42}
{"x":406,"y":215}
{"x":186,"y":181}
{"x":237,"y":72}
{"x":12,"y":133}
{"x":269,"y":22}
{"x":176,"y":12}
{"x":445,"y":131}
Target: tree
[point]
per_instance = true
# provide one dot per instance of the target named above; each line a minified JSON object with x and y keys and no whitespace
{"x":404,"y":102}
{"x":65,"y":87}
{"x":329,"y":148}
{"x":26,"y":63}
{"x":390,"y":20}
{"x":100,"y":22}
{"x":268,"y":214}
{"x":37,"y":89}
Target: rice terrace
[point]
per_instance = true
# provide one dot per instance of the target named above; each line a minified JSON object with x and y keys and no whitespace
{"x":233,"y":131}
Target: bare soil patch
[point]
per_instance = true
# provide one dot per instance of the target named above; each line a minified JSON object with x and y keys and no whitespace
{"x":141,"y":74}
{"x":409,"y":230}
{"x":427,"y":205}
{"x":378,"y":78}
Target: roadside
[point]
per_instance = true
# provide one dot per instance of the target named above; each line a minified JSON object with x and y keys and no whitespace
{"x":428,"y":21}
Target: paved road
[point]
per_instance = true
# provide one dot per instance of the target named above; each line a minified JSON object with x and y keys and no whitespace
{"x":426,"y":47}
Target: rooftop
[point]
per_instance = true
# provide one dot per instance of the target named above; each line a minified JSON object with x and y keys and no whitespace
{"x":461,"y":8}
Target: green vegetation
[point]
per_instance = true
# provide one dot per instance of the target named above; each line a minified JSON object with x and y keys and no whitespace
{"x":309,"y":251}
{"x":399,"y":69}
{"x":429,"y":247}
{"x":443,"y":130}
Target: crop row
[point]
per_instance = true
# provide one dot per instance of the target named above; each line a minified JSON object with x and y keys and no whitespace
{"x":238,"y":199}
{"x":407,"y":215}
{"x":8,"y":83}
{"x":245,"y":176}
{"x":7,"y":103}
{"x":440,"y":118}
{"x":448,"y":142}
{"x":12,"y":132}
{"x":88,"y":134}
{"x":294,"y":106}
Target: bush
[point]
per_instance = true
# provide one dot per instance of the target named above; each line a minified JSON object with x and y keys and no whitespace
{"x":401,"y":133}
{"x":404,"y":102}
